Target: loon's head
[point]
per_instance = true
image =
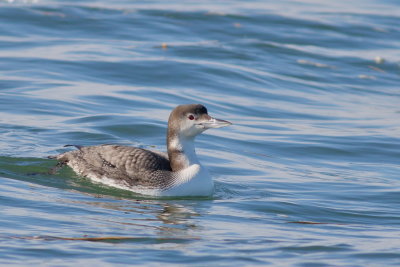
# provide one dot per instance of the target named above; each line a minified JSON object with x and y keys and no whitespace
{"x":191,"y":120}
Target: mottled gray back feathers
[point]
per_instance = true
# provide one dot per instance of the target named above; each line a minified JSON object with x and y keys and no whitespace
{"x":129,"y":165}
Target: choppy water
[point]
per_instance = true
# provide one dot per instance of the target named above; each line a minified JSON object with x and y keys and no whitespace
{"x":308,"y":175}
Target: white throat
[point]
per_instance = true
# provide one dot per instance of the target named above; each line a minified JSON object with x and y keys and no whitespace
{"x":185,"y":145}
{"x":190,"y":177}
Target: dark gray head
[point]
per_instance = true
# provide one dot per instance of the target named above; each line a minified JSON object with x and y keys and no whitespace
{"x":191,"y":120}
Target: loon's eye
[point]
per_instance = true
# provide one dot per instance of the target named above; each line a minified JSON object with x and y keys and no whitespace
{"x":191,"y":117}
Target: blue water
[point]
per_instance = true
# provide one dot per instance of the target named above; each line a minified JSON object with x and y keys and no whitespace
{"x":308,"y":175}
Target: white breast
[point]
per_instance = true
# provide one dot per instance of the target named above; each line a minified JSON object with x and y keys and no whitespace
{"x":192,"y":181}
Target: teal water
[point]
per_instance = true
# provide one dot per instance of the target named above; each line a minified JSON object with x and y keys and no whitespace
{"x":308,"y":175}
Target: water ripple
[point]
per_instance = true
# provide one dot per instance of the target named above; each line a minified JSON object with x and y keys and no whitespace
{"x":307,"y":175}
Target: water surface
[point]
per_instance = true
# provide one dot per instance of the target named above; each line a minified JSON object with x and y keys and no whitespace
{"x":308,"y":175}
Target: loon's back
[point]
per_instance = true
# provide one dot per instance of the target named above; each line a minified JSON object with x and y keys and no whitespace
{"x":129,"y":166}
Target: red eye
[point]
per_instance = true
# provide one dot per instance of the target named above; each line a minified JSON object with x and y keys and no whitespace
{"x":191,"y":117}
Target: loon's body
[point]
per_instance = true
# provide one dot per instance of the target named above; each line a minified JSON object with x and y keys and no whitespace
{"x":177,"y":173}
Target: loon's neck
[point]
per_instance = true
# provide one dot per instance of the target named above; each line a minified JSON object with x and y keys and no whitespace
{"x":181,"y":151}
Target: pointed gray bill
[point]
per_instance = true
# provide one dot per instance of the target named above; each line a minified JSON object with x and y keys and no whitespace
{"x":214,"y":123}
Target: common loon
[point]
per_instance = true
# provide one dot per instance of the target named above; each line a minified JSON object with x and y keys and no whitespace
{"x":176,"y":173}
